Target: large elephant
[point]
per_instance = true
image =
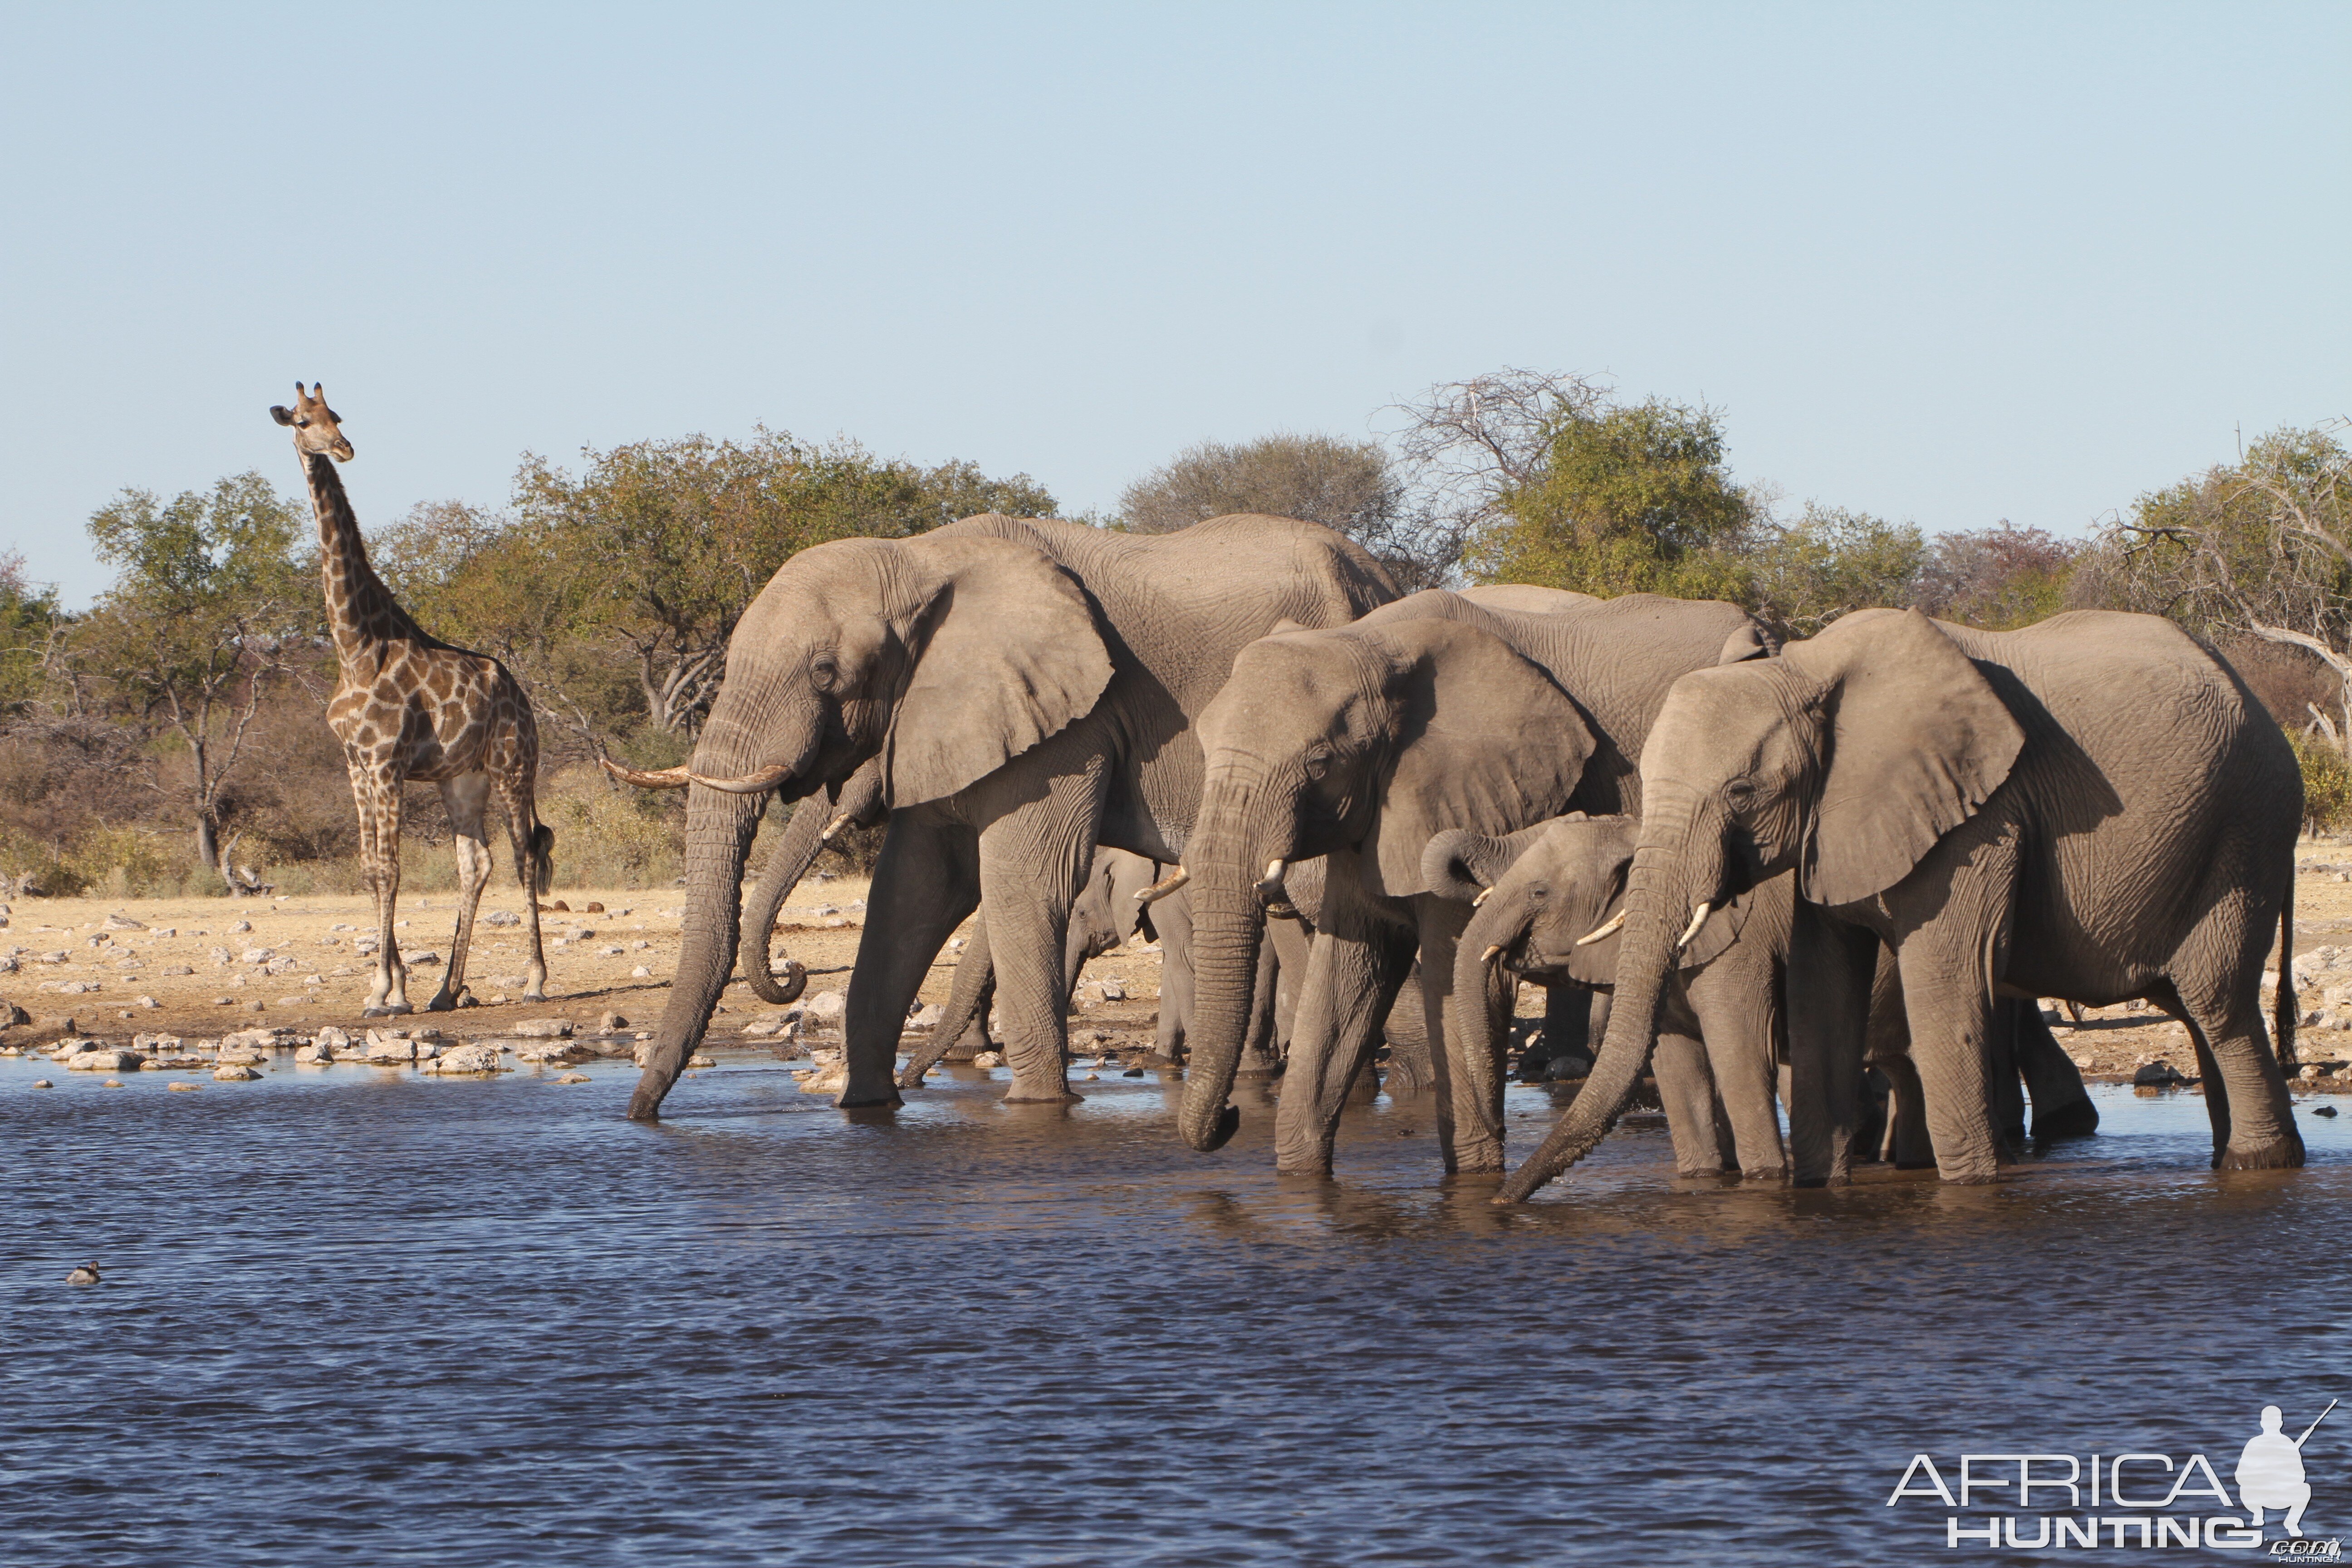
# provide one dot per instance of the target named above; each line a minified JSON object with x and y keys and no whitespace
{"x":2093,"y":807}
{"x":1028,"y":688}
{"x":1360,"y":743}
{"x":1546,"y":906}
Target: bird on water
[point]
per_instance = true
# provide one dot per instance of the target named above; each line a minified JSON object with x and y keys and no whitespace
{"x":85,"y":1275}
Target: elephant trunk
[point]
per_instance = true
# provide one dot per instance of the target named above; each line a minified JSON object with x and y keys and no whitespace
{"x":968,"y":997}
{"x":787,"y":863}
{"x":806,"y":835}
{"x":1228,"y":929}
{"x":1661,"y":890}
{"x":1481,"y":998}
{"x":718,"y":829}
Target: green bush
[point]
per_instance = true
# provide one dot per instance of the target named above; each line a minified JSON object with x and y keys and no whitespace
{"x":2326,"y":784}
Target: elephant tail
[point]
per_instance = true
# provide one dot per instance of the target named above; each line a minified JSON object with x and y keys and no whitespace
{"x":2283,"y":1001}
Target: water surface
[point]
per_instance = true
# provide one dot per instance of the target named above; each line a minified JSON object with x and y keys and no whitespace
{"x":357,"y":1317}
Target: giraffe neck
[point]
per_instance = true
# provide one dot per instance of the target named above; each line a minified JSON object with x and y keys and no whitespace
{"x":361,"y":612}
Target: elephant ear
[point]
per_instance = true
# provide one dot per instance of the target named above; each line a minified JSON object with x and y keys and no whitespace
{"x":1460,"y":864}
{"x":1010,"y":655}
{"x":1749,"y":641}
{"x":1918,"y":740}
{"x":1487,"y":742}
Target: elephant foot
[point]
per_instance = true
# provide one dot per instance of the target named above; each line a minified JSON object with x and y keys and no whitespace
{"x":2075,"y":1118}
{"x":887,"y":1102}
{"x":387,"y":1010}
{"x":1970,"y":1178}
{"x":2281,"y":1153}
{"x":1016,"y":1095}
{"x":644,"y":1106}
{"x":1776,"y":1174}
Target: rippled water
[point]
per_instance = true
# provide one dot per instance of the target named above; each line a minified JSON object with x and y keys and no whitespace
{"x":357,"y":1318}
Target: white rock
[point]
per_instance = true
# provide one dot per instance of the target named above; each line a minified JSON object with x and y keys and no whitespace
{"x":104,"y":1058}
{"x":241,"y":926}
{"x":420,"y":957}
{"x":988,"y":1059}
{"x":927,"y":1018}
{"x":234,"y":1074}
{"x":825,"y":1007}
{"x":256,"y":955}
{"x":541,"y":1029}
{"x":503,"y":918}
{"x":461,"y":1059}
{"x":641,"y":973}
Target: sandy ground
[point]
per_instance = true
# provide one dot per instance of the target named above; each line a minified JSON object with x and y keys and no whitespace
{"x":204,"y":967}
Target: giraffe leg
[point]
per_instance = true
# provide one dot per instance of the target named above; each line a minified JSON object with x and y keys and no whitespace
{"x":378,"y":790}
{"x":526,"y":836}
{"x":465,"y":797}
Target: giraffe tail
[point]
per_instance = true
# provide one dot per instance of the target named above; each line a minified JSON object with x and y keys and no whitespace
{"x":543,"y":859}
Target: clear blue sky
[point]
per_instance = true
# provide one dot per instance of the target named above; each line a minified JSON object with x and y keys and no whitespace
{"x":1947,"y":263}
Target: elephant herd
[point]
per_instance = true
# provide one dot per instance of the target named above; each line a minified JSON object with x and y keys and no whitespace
{"x":1788,"y":873}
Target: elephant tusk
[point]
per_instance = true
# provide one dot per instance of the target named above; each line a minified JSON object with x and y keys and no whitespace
{"x":1491,"y":954}
{"x":1481,"y":898}
{"x":1607,"y":929}
{"x":667,"y":778}
{"x":836,"y":826}
{"x":760,"y":782}
{"x":1165,"y":886}
{"x":1273,"y":870}
{"x":1699,"y":918}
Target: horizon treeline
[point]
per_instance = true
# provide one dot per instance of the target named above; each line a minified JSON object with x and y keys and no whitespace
{"x":173,"y":739}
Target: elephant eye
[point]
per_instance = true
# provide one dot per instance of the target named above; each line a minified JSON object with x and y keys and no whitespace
{"x":1539,"y":890}
{"x":1738,"y":792}
{"x":823,"y":671}
{"x":1318,"y":761}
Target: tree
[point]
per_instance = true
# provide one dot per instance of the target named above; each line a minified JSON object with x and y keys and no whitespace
{"x":1998,"y":578}
{"x":30,"y":620}
{"x":208,"y":591}
{"x":1349,"y":486}
{"x":1625,"y":499}
{"x":2263,"y":545}
{"x":1830,"y":561}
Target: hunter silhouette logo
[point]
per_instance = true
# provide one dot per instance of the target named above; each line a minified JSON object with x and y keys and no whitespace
{"x":2140,"y":1500}
{"x":2270,"y":1472}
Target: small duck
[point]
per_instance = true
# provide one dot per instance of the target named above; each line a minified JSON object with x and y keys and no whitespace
{"x":85,"y":1275}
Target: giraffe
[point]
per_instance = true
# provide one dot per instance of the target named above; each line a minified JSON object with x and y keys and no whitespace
{"x":409,"y":706}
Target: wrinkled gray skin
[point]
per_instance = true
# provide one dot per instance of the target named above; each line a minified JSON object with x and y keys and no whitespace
{"x":1362,"y":743}
{"x":1028,"y":688}
{"x":2091,"y":808}
{"x":1718,"y":1032}
{"x":1106,"y":913}
{"x":1720,"y":1037}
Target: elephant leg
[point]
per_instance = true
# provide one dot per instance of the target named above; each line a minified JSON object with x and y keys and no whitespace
{"x":1686,"y":1090}
{"x":926,"y":882}
{"x":1947,"y":997}
{"x":2000,"y":1074}
{"x":1290,"y":941}
{"x":1027,"y":882}
{"x":1406,"y":1030}
{"x":1258,"y":1058}
{"x":2061,"y":1106}
{"x":1567,"y":1028}
{"x":2245,"y":1091}
{"x":965,"y":1015}
{"x":1354,"y":970}
{"x":1171,"y":919}
{"x":1469,"y":1125}
{"x":1734,"y":999}
{"x":1829,"y":981}
{"x":1907,"y":1146}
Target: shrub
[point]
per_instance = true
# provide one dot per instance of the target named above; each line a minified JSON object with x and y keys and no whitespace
{"x":2326,"y":783}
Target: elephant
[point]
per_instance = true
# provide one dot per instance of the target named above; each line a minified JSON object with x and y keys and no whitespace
{"x":1028,"y":688}
{"x":2092,"y":807}
{"x":856,"y":802}
{"x":1106,"y":913}
{"x":1547,"y":903}
{"x":1549,"y":912}
{"x":1360,"y":744}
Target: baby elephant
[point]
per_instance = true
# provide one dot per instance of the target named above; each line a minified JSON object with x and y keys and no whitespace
{"x":1550,"y":913}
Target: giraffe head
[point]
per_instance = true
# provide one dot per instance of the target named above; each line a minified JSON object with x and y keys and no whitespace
{"x":316,"y":429}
